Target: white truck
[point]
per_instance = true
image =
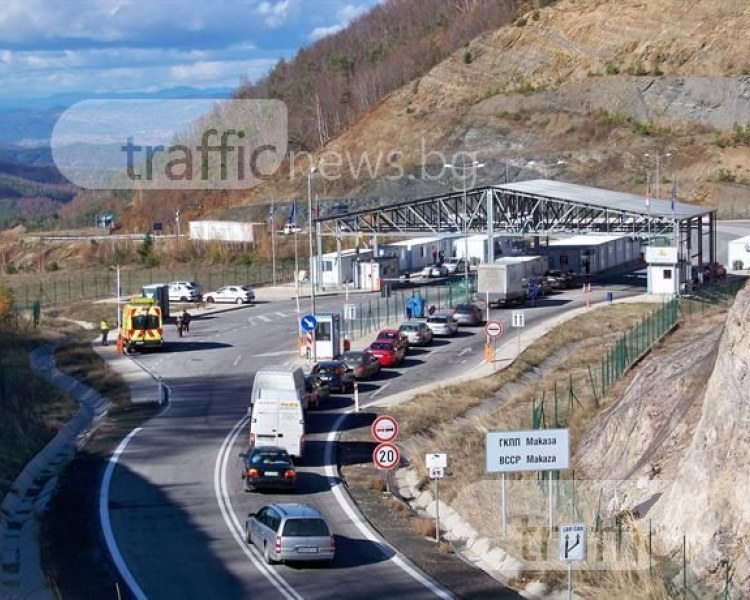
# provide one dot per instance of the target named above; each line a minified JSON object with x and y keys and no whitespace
{"x":277,"y":410}
{"x":506,"y":280}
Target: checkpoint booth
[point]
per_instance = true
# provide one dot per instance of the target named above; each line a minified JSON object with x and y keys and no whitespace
{"x":327,"y":338}
{"x":664,"y":274}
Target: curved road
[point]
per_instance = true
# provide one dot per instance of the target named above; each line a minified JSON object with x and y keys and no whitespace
{"x":176,"y":503}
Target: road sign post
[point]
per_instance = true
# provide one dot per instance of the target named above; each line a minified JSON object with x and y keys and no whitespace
{"x":572,"y":544}
{"x":533,"y":450}
{"x":386,"y":456}
{"x":494,"y":330}
{"x":519,"y":322}
{"x":384,"y":429}
{"x":436,"y":464}
{"x":309,"y":324}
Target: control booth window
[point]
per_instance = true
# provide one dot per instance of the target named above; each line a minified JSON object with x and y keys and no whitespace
{"x":667,"y":273}
{"x":323,"y":332}
{"x":327,"y":266}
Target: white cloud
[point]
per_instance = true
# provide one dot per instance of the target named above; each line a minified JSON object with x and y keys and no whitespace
{"x":344,"y":15}
{"x":274,"y":13}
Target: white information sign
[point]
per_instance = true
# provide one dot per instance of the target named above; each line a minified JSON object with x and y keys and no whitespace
{"x":437,"y":472}
{"x":534,"y":450}
{"x":573,"y":542}
{"x":518,"y":319}
{"x":439,"y":461}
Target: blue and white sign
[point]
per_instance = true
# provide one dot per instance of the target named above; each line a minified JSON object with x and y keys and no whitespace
{"x":309,"y":323}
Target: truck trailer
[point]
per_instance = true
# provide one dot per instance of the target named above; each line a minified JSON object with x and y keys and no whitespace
{"x":505,"y":281}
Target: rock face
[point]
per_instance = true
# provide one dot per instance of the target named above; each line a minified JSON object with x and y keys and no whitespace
{"x":710,"y":499}
{"x":681,"y":435}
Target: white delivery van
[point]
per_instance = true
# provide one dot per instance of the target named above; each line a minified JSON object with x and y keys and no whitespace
{"x":277,"y":411}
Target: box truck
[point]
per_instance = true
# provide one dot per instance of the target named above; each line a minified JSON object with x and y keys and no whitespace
{"x":505,"y":281}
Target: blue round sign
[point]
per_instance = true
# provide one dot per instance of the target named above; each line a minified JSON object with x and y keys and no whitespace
{"x":309,"y":323}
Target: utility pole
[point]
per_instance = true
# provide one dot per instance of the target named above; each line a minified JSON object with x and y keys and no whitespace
{"x":177,"y":224}
{"x":273,"y":244}
{"x":312,"y":171}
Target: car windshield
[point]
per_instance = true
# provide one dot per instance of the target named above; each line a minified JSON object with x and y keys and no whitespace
{"x":409,"y":327}
{"x":270,"y":458}
{"x":327,"y":368}
{"x":387,"y":335}
{"x":438,"y":319}
{"x":353,"y":359}
{"x":381,"y":346}
{"x":464,"y":308}
{"x":306,"y":528}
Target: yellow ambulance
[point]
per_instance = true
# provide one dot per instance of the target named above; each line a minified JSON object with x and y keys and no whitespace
{"x":142,"y":325}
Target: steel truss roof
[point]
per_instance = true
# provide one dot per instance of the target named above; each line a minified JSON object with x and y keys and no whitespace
{"x":537,"y":207}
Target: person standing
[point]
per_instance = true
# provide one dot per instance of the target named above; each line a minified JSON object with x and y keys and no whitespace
{"x":186,"y":321}
{"x":104,"y":328}
{"x":180,"y":324}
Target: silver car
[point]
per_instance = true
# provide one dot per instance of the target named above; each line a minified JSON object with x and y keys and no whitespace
{"x":290,"y":532}
{"x":417,"y":332}
{"x":442,"y":324}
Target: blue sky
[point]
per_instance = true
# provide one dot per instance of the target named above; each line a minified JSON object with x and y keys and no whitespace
{"x":54,"y":46}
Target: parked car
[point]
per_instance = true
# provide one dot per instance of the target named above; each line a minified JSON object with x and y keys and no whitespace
{"x":442,"y":324}
{"x":290,"y":532}
{"x":237,"y":294}
{"x":455,"y":266}
{"x":387,"y":352}
{"x":180,"y":291}
{"x":364,"y":364}
{"x":316,"y":391}
{"x":268,"y":467}
{"x":558,"y":280}
{"x":435,"y":270}
{"x":468,"y":314}
{"x":417,"y":332}
{"x":395,"y":335}
{"x":336,"y":373}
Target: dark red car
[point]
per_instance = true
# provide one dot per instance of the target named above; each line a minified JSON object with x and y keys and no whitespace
{"x":387,"y":353}
{"x":396,"y":336}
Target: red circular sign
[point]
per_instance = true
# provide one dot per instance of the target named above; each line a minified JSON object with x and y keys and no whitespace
{"x":493,"y":329}
{"x":384,"y":429}
{"x":386,"y":456}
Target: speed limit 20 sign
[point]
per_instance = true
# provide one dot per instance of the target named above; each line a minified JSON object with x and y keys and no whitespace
{"x":386,"y":456}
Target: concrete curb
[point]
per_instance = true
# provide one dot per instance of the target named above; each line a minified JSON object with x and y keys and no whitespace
{"x":21,"y":574}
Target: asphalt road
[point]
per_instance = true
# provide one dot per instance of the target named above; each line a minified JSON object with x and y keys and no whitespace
{"x":177,"y":505}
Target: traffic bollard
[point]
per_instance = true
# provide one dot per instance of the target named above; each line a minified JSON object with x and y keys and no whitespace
{"x":356,"y":397}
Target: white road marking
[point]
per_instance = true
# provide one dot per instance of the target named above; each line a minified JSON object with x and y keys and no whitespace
{"x":109,"y":536}
{"x":265,"y":318}
{"x":282,"y":315}
{"x":346,"y":507}
{"x":237,"y":361}
{"x":380,"y":389}
{"x":232,"y":521}
{"x":279,"y":353}
{"x":464,"y":351}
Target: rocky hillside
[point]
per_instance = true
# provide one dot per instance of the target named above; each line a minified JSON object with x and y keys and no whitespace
{"x":674,"y":449}
{"x":576,"y":90}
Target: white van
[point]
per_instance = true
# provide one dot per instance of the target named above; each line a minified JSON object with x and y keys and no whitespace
{"x":179,"y":291}
{"x":277,"y":411}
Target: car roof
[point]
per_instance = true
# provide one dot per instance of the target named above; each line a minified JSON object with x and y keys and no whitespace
{"x":387,"y":332}
{"x":439,"y":315}
{"x":267,"y":449}
{"x":290,"y":509}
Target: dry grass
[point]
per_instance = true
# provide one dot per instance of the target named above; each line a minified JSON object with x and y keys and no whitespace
{"x":424,"y":526}
{"x":376,"y":483}
{"x":76,"y":357}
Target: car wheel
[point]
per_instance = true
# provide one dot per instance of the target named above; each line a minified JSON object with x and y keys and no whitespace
{"x":210,"y":299}
{"x":248,"y":537}
{"x":238,"y":301}
{"x":267,"y":555}
{"x":183,"y":299}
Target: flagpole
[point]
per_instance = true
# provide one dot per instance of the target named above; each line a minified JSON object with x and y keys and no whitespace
{"x":273,"y":245}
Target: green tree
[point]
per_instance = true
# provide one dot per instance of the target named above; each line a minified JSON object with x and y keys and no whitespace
{"x":146,"y":250}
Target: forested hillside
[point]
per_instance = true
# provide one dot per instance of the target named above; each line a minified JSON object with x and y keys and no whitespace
{"x":330,"y":84}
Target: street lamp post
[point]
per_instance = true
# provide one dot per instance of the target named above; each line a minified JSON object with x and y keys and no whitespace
{"x":177,"y":223}
{"x":473,"y":166}
{"x":658,"y":158}
{"x":312,"y":171}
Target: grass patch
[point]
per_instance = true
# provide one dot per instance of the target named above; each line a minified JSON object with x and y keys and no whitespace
{"x":32,"y":409}
{"x":78,"y":359}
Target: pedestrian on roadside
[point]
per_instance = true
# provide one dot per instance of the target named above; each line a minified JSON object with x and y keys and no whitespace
{"x":186,"y":321}
{"x":104,"y":328}
{"x":180,"y":325}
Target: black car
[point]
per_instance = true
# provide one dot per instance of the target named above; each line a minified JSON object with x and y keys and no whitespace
{"x":317,"y":390}
{"x":268,"y":467}
{"x":336,"y":373}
